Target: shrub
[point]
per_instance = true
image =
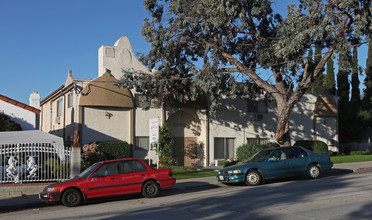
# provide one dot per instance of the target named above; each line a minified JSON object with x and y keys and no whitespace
{"x":226,"y":163}
{"x":167,"y":161}
{"x":245,"y":151}
{"x":90,"y":155}
{"x":359,"y":152}
{"x":313,"y":145}
{"x":114,"y":149}
{"x":268,"y":145}
{"x":56,"y":168}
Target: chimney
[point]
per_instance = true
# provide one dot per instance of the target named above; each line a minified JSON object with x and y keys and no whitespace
{"x":35,"y":100}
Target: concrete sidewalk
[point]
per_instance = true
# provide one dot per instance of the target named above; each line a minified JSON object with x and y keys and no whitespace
{"x":32,"y":200}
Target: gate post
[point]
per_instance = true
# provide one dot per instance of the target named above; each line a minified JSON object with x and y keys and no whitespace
{"x":75,"y":156}
{"x":75,"y":161}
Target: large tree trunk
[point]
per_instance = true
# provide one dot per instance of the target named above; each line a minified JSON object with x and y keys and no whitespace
{"x":282,"y":135}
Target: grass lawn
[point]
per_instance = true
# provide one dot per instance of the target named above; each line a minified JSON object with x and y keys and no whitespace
{"x":187,"y":173}
{"x":350,"y":159}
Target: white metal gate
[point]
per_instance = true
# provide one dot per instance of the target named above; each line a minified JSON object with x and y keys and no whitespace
{"x":34,"y":162}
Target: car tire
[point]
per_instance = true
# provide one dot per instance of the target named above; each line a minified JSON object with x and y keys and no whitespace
{"x":253,"y":178}
{"x":313,"y":171}
{"x":71,"y":198}
{"x":150,"y":189}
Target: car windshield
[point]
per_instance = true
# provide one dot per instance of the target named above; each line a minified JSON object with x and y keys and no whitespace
{"x":259,"y":156}
{"x":89,"y":170}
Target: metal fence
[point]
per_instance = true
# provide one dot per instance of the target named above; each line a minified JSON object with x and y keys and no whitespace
{"x":34,"y":162}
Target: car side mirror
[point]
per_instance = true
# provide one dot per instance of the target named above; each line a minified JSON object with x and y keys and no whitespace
{"x":271,"y":159}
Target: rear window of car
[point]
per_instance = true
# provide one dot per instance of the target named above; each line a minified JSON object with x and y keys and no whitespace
{"x":132,"y":166}
{"x":295,"y":152}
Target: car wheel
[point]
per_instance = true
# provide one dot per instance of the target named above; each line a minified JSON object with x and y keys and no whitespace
{"x":313,"y":171}
{"x":71,"y":198}
{"x":253,"y":178}
{"x":150,"y":189}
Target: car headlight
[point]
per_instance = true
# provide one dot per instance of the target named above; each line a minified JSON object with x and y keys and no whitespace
{"x":234,"y":171}
{"x":52,"y":189}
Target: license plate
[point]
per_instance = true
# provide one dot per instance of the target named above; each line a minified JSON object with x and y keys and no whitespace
{"x":220,"y":177}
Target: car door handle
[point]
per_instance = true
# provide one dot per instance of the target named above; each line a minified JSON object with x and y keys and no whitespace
{"x":142,"y":174}
{"x":112,"y":178}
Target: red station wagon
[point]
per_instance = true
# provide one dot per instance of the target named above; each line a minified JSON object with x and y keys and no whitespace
{"x":110,"y":178}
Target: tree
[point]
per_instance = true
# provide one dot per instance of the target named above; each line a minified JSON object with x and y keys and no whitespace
{"x":8,"y":125}
{"x":330,"y":82}
{"x":218,"y":48}
{"x":366,"y":113}
{"x":317,"y":86}
{"x":355,"y":92}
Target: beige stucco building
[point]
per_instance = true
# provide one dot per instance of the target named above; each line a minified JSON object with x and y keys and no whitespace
{"x":101,"y":111}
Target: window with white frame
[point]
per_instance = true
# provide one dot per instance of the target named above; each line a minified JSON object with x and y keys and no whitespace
{"x":257,"y":140}
{"x":142,"y":143}
{"x":60,"y":107}
{"x":224,"y":148}
{"x":70,"y":99}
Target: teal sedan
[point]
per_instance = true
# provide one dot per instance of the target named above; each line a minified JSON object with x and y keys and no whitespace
{"x":276,"y":162}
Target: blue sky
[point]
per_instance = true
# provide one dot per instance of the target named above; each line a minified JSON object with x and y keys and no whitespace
{"x":42,"y":39}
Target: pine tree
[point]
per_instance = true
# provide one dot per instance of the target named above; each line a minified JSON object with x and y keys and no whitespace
{"x":343,"y":92}
{"x":318,"y":84}
{"x":330,"y":82}
{"x":366,"y":113}
{"x":355,"y":92}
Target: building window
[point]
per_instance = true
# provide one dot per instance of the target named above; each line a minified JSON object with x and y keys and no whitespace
{"x":142,"y":143}
{"x":224,"y":148}
{"x":256,"y":106}
{"x":257,"y":141}
{"x":70,"y":99}
{"x":60,"y":107}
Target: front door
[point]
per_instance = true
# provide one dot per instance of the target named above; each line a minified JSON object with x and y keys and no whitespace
{"x":186,"y":151}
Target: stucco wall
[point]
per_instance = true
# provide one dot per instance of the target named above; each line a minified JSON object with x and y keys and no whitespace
{"x":27,"y":119}
{"x":301,"y":119}
{"x":105,"y":124}
{"x":234,"y":121}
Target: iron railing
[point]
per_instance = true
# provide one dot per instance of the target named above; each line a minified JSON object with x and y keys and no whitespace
{"x":34,"y":162}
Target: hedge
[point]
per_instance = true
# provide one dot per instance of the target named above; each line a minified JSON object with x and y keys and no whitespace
{"x":313,"y":145}
{"x":114,"y":149}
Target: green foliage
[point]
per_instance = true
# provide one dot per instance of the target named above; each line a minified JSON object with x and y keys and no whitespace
{"x":330,"y":82}
{"x":166,"y":141}
{"x":355,"y":92}
{"x":56,"y":168}
{"x":352,"y":153}
{"x":226,"y":163}
{"x":268,"y":145}
{"x":8,"y":125}
{"x":92,"y":153}
{"x":366,"y":112}
{"x":167,"y":161}
{"x":114,"y":149}
{"x":234,"y":38}
{"x":313,"y":145}
{"x":245,"y":151}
